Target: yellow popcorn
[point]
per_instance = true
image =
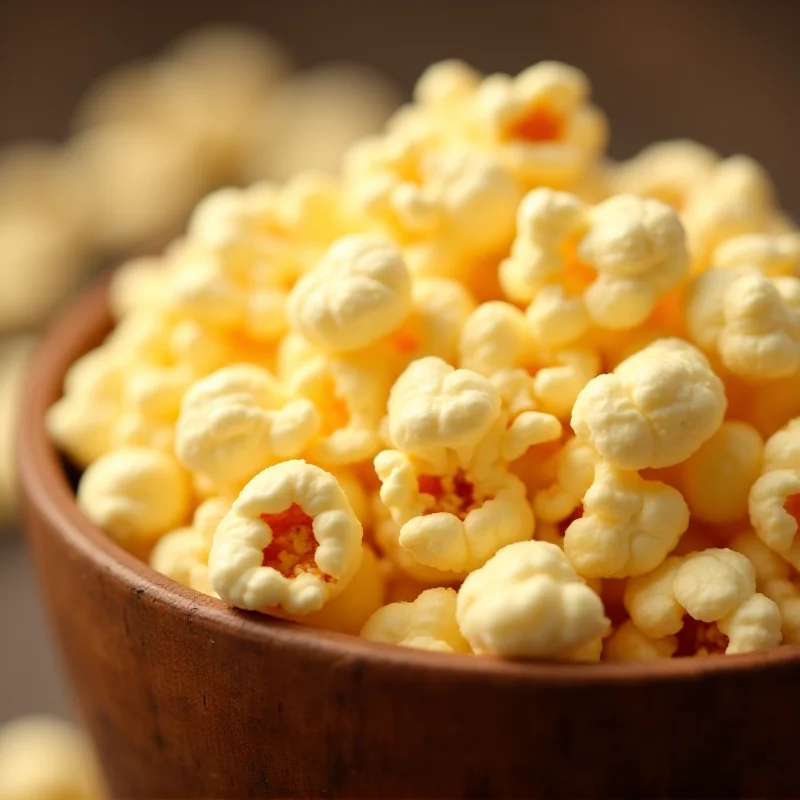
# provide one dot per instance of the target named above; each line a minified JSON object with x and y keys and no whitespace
{"x":290,"y":540}
{"x":349,"y":611}
{"x":452,"y":522}
{"x":775,"y":255}
{"x":239,"y":420}
{"x":671,"y":171}
{"x":433,"y":407}
{"x":182,"y":554}
{"x":448,"y":207}
{"x":628,"y":643}
{"x":497,"y":341}
{"x":575,"y":472}
{"x":540,"y":123}
{"x":656,"y":409}
{"x":628,"y":526}
{"x":751,"y":321}
{"x":135,"y":495}
{"x":427,"y":623}
{"x":349,"y":394}
{"x":774,"y":501}
{"x":605,"y":266}
{"x":709,"y":600}
{"x":776,"y":579}
{"x":359,"y":292}
{"x":43,"y":758}
{"x":313,"y":117}
{"x":737,"y":198}
{"x":528,"y":602}
{"x":716,"y":480}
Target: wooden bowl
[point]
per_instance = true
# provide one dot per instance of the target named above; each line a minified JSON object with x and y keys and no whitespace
{"x":185,"y":697}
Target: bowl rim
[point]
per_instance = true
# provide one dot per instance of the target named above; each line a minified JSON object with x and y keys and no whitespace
{"x":44,"y":483}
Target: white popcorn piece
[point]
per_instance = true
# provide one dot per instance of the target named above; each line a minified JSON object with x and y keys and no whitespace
{"x":528,"y":602}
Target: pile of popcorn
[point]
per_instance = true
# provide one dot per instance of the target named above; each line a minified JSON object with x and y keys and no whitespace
{"x":482,"y":392}
{"x":220,"y":106}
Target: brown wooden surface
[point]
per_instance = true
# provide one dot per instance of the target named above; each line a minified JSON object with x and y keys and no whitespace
{"x":186,"y":698}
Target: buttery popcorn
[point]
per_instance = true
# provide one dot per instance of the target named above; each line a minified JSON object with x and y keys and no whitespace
{"x":427,"y":623}
{"x":605,"y":266}
{"x":481,"y":392}
{"x":654,"y":410}
{"x":527,"y":601}
{"x":290,"y":540}
{"x":709,"y":600}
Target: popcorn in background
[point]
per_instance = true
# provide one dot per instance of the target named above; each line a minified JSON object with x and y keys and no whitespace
{"x":149,"y":139}
{"x":343,"y":399}
{"x":43,"y":758}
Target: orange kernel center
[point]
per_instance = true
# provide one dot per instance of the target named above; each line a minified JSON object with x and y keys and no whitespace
{"x":293,"y":547}
{"x":451,"y":494}
{"x":538,"y":123}
{"x":576,"y":275}
{"x":792,"y":506}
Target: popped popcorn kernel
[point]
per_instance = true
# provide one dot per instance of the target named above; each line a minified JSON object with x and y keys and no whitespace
{"x":751,"y":321}
{"x":290,"y":540}
{"x":135,"y":495}
{"x":605,"y":266}
{"x":528,"y":602}
{"x":628,"y":525}
{"x":358,"y":292}
{"x":452,"y":522}
{"x":540,"y":122}
{"x":628,"y":643}
{"x":427,"y":623}
{"x":774,"y":501}
{"x":716,"y":480}
{"x":708,"y":600}
{"x":236,"y":421}
{"x":671,"y":171}
{"x":656,"y":409}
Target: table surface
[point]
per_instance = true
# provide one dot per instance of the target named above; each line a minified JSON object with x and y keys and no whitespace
{"x":31,"y":677}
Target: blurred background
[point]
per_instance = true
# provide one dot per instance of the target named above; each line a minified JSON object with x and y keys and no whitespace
{"x":724,"y":73}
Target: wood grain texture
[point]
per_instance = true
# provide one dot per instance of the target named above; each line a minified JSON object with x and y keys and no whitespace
{"x":187,"y":698}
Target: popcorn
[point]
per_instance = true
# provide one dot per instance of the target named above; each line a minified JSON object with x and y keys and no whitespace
{"x":716,"y":480}
{"x":43,"y":758}
{"x":452,"y":522}
{"x":540,"y":123}
{"x":360,"y":382}
{"x":450,"y":208}
{"x":628,"y":525}
{"x":359,"y":292}
{"x":606,"y":266}
{"x":135,"y":495}
{"x":628,"y":643}
{"x":751,"y":321}
{"x":575,"y":473}
{"x":528,"y":602}
{"x":709,"y":600}
{"x":671,"y":171}
{"x":774,"y":501}
{"x":736,"y":199}
{"x":290,"y":540}
{"x":313,"y":118}
{"x":497,"y":341}
{"x":349,"y":611}
{"x":239,"y":420}
{"x":776,"y":579}
{"x":350,"y":399}
{"x":656,"y":409}
{"x":182,"y":554}
{"x":427,"y":623}
{"x":433,"y":406}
